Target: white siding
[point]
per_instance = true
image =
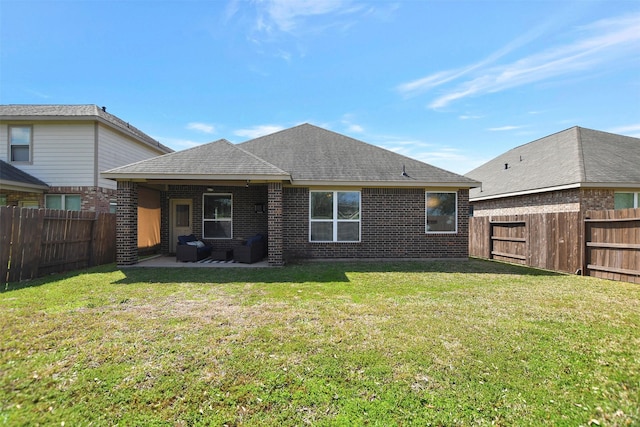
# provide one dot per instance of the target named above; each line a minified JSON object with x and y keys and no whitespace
{"x":116,"y":149}
{"x":62,"y":153}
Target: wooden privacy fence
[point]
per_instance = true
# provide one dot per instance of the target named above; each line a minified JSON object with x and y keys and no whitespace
{"x":546,"y":240}
{"x":36,"y":242}
{"x":612,"y":244}
{"x":604,"y":244}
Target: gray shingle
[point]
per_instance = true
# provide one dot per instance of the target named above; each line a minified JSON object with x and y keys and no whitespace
{"x":576,"y":156}
{"x":10,"y":173}
{"x":312,"y":153}
{"x":215,"y":160}
{"x":302,"y":153}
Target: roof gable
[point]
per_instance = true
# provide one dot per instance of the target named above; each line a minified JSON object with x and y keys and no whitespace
{"x":215,"y":160}
{"x":573,"y":157}
{"x":310,"y":153}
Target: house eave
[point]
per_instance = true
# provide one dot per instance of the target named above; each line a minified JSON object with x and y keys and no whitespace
{"x":557,"y":188}
{"x":21,"y":186}
{"x":404,"y":184}
{"x":195,"y":177}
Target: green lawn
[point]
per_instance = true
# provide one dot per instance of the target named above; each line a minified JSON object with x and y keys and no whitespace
{"x":323,"y":344}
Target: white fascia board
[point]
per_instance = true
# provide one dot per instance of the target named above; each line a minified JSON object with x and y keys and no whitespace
{"x":558,"y":188}
{"x":526,"y":192}
{"x":413,"y":184}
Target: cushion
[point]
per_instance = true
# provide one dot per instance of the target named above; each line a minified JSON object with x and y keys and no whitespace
{"x":192,"y":243}
{"x":254,"y":239}
{"x":185,"y":239}
{"x":199,"y":244}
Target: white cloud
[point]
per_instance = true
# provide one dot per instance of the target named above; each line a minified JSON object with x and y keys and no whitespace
{"x":287,"y":15}
{"x":608,"y":41}
{"x":178,"y":144}
{"x":629,"y":130}
{"x":258,"y":131}
{"x":201,"y":127}
{"x":504,"y":128}
{"x":469,"y":117}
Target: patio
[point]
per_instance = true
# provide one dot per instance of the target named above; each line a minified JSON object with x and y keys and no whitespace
{"x":170,"y":261}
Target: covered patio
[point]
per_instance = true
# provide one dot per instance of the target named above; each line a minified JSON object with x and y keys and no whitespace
{"x":169,"y":261}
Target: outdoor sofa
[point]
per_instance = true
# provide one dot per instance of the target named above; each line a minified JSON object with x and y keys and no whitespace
{"x":190,"y":249}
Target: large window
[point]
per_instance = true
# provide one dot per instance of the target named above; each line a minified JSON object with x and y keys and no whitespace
{"x":626,"y":200}
{"x":67,"y":202}
{"x":334,"y":216}
{"x":217,"y":214}
{"x":20,"y":143}
{"x":442,"y":212}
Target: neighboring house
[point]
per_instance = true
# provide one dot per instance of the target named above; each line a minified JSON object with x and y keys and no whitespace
{"x":315,"y":193}
{"x":18,"y":188}
{"x":65,"y":147}
{"x":532,"y":205}
{"x":574,"y":170}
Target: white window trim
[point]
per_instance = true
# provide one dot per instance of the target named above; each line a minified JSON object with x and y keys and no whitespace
{"x":426,"y":216}
{"x":63,"y":200}
{"x":10,"y":145}
{"x":217,"y":220}
{"x":335,"y":219}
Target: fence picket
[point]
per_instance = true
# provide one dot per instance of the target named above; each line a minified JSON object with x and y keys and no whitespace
{"x":36,"y":242}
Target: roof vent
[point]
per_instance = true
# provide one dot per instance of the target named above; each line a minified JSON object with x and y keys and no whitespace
{"x":404,"y":172}
{"x":104,"y":109}
{"x":506,"y":166}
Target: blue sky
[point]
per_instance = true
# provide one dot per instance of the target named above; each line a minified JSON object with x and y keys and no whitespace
{"x":451,"y":83}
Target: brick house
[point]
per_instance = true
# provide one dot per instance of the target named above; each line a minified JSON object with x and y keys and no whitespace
{"x":575,"y":170}
{"x":542,"y":192}
{"x":316,"y":194}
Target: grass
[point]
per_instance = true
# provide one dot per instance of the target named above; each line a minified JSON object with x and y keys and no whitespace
{"x":431,"y":343}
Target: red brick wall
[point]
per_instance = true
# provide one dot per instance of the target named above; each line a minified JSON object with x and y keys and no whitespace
{"x":571,"y":200}
{"x":94,"y":199}
{"x":392,"y":226}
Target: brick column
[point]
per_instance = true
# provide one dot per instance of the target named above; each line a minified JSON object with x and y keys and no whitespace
{"x":127,"y":223}
{"x":275,"y":224}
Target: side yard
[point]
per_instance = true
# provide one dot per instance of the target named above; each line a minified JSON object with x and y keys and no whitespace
{"x":422,"y":343}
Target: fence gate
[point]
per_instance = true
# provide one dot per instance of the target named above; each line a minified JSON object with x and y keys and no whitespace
{"x":612,"y":244}
{"x":508,"y":241}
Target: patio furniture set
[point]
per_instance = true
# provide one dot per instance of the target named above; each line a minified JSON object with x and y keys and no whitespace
{"x":191,"y":249}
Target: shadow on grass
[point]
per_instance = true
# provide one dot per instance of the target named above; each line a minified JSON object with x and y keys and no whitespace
{"x":302,"y":272}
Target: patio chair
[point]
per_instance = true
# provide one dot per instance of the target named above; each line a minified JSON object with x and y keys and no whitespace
{"x":190,"y":249}
{"x":251,"y":250}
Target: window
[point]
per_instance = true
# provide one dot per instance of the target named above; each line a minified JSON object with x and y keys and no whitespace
{"x":217,"y":214}
{"x":67,"y":202}
{"x":626,"y":200}
{"x":3,"y":200}
{"x":20,"y":143}
{"x":442,"y":212}
{"x":113,"y":206}
{"x":334,"y":216}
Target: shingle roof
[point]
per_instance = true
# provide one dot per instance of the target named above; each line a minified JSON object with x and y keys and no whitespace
{"x":86,"y":111}
{"x":304,"y":154}
{"x":215,"y":160}
{"x":11,"y":175}
{"x":310,"y":153}
{"x":573,"y":157}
